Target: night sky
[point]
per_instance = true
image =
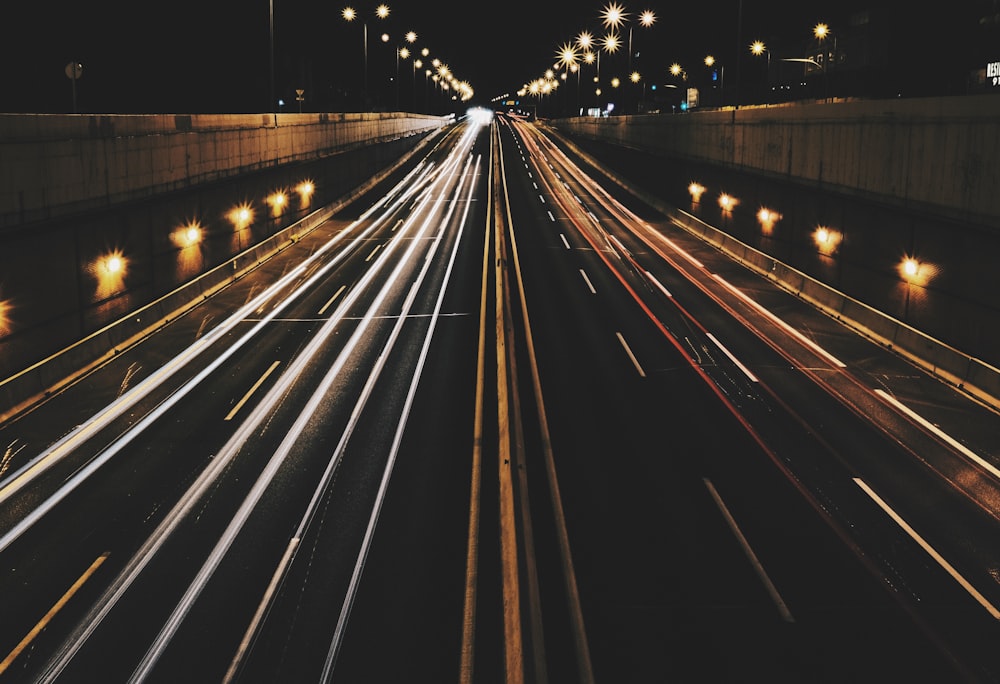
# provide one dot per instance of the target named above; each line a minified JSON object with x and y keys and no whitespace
{"x":197,"y":56}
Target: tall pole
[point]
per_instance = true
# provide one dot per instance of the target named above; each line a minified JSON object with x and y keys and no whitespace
{"x":739,"y":50}
{"x":270,"y":24}
{"x":364,"y":89}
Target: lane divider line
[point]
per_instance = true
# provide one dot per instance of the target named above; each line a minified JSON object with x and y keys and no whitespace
{"x":256,"y":386}
{"x":43,"y":623}
{"x":965,"y":584}
{"x":938,"y":432}
{"x":783,"y":610}
{"x":746,"y":371}
{"x":628,"y":350}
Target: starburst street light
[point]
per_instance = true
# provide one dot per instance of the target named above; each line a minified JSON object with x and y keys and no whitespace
{"x":613,"y":15}
{"x":611,"y":43}
{"x":349,"y":14}
{"x":569,"y":60}
{"x":403,"y":53}
{"x":757,"y":48}
{"x":567,"y":55}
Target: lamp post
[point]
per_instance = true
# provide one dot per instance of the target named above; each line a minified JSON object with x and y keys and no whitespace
{"x":568,"y":59}
{"x":614,"y":17}
{"x":585,"y":42}
{"x":710,"y":62}
{"x":821,"y":32}
{"x":270,"y":47}
{"x":403,"y":53}
{"x":610,"y":44}
{"x":350,"y":14}
{"x":757,"y":48}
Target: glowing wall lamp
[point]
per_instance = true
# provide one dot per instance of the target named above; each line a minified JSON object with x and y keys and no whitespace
{"x":767,"y":218}
{"x":305,"y":190}
{"x":110,"y":271}
{"x":827,"y":240}
{"x":278,"y":202}
{"x":727,"y":202}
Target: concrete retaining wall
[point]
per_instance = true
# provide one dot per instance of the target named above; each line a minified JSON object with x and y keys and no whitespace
{"x":59,"y":164}
{"x":940,"y":155}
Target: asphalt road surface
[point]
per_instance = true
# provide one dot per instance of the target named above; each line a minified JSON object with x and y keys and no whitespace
{"x":495,"y":422}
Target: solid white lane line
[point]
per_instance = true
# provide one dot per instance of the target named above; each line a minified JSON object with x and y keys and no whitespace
{"x":628,"y":351}
{"x":746,"y":371}
{"x":928,"y":548}
{"x":972,"y":455}
{"x":783,"y":610}
{"x":256,"y":386}
{"x":785,"y":326}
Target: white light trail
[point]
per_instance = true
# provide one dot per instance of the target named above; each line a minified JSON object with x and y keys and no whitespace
{"x":218,"y":465}
{"x":285,"y":448}
{"x":746,"y":371}
{"x":784,"y":326}
{"x":941,"y":434}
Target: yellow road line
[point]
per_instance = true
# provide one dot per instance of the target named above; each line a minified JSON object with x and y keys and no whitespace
{"x":256,"y":386}
{"x":583,"y":661}
{"x":472,"y":555}
{"x":43,"y":623}
{"x":513,"y":638}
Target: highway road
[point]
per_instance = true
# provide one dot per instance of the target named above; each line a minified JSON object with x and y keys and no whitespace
{"x":497,"y":422}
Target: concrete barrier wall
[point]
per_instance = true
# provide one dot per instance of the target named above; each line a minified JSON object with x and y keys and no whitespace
{"x":931,"y":154}
{"x":59,"y":164}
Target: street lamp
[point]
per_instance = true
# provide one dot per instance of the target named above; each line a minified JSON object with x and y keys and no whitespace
{"x":568,"y":59}
{"x":590,"y":54}
{"x":403,"y":53}
{"x":614,"y":17}
{"x":821,"y":32}
{"x":350,"y":14}
{"x":757,"y":48}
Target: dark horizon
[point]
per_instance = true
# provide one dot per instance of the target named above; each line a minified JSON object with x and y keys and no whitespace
{"x":191,"y":61}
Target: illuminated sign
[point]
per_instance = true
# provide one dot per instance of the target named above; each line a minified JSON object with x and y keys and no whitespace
{"x":993,"y":74}
{"x":692,"y":98}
